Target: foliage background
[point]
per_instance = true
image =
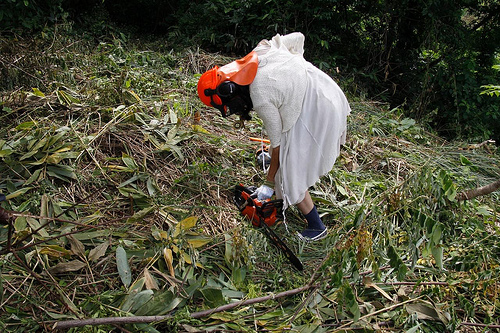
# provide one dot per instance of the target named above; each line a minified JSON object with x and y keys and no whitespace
{"x":429,"y":58}
{"x":124,"y":192}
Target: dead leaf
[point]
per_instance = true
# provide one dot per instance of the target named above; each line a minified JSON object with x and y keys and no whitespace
{"x":77,"y":247}
{"x":167,"y":255}
{"x":65,"y":267}
{"x":426,"y":311}
{"x":369,"y":284}
{"x":98,"y":251}
{"x":150,"y":281}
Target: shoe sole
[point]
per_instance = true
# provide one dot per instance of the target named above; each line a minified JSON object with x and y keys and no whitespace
{"x":315,"y":238}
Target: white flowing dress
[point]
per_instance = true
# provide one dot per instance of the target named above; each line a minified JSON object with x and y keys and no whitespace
{"x":304,"y":112}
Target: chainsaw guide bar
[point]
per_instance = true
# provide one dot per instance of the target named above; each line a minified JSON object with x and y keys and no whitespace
{"x":264,"y":213}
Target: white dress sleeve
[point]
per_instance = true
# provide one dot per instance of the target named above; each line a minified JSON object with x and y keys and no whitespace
{"x":268,"y":112}
{"x":294,"y":42}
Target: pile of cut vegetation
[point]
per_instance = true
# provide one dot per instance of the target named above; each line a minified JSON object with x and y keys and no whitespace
{"x":119,"y":212}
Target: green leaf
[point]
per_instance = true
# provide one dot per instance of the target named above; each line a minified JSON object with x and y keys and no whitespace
{"x":396,"y":262}
{"x":25,"y":126}
{"x":130,"y":192}
{"x":437,"y":253}
{"x":464,"y":160}
{"x":17,"y":193}
{"x":427,"y":312}
{"x":20,"y":223}
{"x":185,"y":224}
{"x":123,"y":266}
{"x":141,"y":299}
{"x":37,"y":92}
{"x":55,"y":251}
{"x":197,"y":241}
{"x":351,"y":301}
{"x":63,"y":172}
{"x":158,"y":304}
{"x":213,"y":297}
{"x":238,"y":275}
{"x":138,"y":216}
{"x":151,"y":186}
{"x":65,"y":98}
{"x":35,"y":176}
{"x":5,"y":152}
{"x":129,"y":162}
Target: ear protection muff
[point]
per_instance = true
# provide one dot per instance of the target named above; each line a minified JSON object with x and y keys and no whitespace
{"x":226,"y":89}
{"x":222,"y":95}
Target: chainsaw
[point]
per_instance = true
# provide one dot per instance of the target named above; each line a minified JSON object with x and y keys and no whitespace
{"x":264,"y":213}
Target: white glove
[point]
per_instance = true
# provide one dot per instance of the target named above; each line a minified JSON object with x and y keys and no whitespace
{"x":264,"y":192}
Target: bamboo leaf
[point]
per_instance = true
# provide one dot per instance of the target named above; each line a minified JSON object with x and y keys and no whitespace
{"x":35,"y":225}
{"x":98,"y":251}
{"x":66,"y":267}
{"x":198,"y":240}
{"x":25,"y":126}
{"x":437,"y":253}
{"x":55,"y":251}
{"x":123,"y":266}
{"x":169,"y":259}
{"x":35,"y":176}
{"x":427,"y":312}
{"x":77,"y":247}
{"x":37,"y":92}
{"x":185,"y":224}
{"x":17,"y":193}
{"x":213,"y":297}
{"x":140,"y":299}
{"x":156,"y":305}
{"x":149,"y":280}
{"x":129,"y":162}
{"x":63,"y":172}
{"x":138,"y":216}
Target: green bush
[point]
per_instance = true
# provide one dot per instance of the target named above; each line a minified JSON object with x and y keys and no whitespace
{"x":428,"y":57}
{"x":29,"y":14}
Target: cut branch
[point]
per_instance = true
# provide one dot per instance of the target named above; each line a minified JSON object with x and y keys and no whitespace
{"x":480,"y":191}
{"x":150,"y":319}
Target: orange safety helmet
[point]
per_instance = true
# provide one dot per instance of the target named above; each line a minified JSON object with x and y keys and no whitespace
{"x":241,"y":71}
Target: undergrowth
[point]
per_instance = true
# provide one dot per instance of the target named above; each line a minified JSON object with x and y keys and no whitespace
{"x":119,"y":192}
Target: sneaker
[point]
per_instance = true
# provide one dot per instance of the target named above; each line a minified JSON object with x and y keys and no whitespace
{"x":311,"y":235}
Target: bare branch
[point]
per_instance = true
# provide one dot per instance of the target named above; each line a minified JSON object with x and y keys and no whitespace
{"x":149,"y":319}
{"x":480,"y":191}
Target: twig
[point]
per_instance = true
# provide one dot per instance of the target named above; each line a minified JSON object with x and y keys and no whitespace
{"x":464,"y":323}
{"x":251,"y":301}
{"x":149,"y":319}
{"x":407,"y":283}
{"x":379,"y":311}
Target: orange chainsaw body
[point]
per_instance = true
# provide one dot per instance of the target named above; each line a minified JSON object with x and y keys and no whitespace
{"x":257,"y":211}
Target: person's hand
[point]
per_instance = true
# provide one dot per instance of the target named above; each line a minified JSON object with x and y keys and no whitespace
{"x":264,"y":192}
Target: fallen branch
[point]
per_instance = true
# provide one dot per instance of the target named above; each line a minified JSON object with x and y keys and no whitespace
{"x":464,"y":323}
{"x":150,"y":319}
{"x":479,"y":145}
{"x":480,"y":191}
